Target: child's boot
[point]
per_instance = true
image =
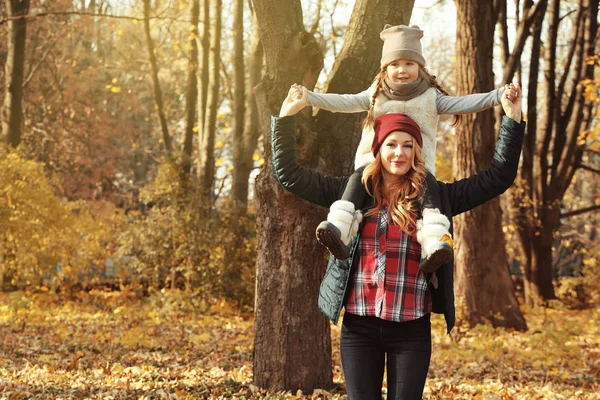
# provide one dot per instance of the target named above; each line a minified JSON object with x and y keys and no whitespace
{"x":342,"y":223}
{"x":435,"y":239}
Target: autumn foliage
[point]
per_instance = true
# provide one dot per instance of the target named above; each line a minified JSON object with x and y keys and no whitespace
{"x":115,"y":345}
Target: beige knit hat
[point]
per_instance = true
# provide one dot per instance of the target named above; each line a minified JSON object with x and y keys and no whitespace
{"x":401,"y":42}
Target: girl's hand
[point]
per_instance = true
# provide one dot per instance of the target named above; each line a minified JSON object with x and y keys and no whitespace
{"x":295,"y":101}
{"x":511,"y":101}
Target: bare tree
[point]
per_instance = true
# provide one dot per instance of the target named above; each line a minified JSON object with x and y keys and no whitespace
{"x":483,"y":282}
{"x":206,"y":143}
{"x":239,"y":190}
{"x":12,"y":113}
{"x":191,"y":94}
{"x":564,"y":116}
{"x":158,"y":98}
{"x":203,"y":65}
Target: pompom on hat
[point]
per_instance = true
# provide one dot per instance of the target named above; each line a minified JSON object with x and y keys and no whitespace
{"x":401,"y":42}
{"x":388,"y":123}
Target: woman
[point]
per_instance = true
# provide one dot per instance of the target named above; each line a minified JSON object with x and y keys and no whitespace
{"x":388,"y":300}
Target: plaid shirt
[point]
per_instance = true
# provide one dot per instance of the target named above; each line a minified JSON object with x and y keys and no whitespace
{"x":397,"y":290}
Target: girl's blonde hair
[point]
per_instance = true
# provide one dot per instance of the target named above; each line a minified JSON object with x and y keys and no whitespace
{"x":405,"y":192}
{"x":431,"y":79}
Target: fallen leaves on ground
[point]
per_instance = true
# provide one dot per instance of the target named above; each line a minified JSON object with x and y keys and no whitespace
{"x":106,"y":345}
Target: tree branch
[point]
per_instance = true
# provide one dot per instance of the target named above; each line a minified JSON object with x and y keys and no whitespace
{"x":592,"y":151}
{"x":580,"y":211}
{"x":87,"y":14}
{"x":529,"y":20}
{"x":589,"y":168}
{"x":40,"y":62}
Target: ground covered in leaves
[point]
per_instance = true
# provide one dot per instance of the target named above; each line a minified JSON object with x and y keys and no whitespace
{"x":113,"y":346}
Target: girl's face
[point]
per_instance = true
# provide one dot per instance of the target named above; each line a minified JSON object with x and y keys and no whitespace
{"x":397,"y":154}
{"x":402,"y":71}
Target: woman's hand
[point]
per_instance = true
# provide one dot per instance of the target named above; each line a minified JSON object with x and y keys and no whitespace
{"x":511,"y":101}
{"x":295,"y":101}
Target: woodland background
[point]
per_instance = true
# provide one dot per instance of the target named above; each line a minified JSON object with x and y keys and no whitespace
{"x":145,"y":249}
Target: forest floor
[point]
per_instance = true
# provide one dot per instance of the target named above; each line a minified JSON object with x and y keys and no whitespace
{"x":104,"y":345}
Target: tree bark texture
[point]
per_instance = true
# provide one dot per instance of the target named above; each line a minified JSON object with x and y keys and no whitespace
{"x":158,"y":99}
{"x":12,"y":112}
{"x":206,"y":159}
{"x":292,"y":347}
{"x":483,"y":282}
{"x":191,"y":93}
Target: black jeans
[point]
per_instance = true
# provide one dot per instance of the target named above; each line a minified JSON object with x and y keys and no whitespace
{"x":364,"y":345}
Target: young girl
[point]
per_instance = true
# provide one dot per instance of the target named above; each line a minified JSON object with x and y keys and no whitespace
{"x":403,"y":85}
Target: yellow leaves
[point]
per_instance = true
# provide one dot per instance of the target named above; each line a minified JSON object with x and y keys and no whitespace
{"x":120,"y":32}
{"x":200,"y":339}
{"x":591,"y":60}
{"x":219,"y":144}
{"x":219,"y":161}
{"x":196,"y":356}
{"x":582,"y":138}
{"x":112,"y":87}
{"x":195,"y":129}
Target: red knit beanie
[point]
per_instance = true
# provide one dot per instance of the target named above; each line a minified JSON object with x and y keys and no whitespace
{"x":388,"y":123}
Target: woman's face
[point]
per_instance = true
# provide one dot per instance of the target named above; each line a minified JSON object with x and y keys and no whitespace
{"x":397,"y":154}
{"x":402,"y":71}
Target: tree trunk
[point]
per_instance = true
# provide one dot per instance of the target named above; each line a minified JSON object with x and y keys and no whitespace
{"x":540,"y":286}
{"x":290,"y":263}
{"x":2,"y":268}
{"x":12,"y":113}
{"x":206,"y":159}
{"x":233,"y":274}
{"x":203,"y":63}
{"x":483,"y":281}
{"x":244,"y":161}
{"x":239,"y":189}
{"x":292,"y":347}
{"x":158,"y":100}
{"x":191,"y":95}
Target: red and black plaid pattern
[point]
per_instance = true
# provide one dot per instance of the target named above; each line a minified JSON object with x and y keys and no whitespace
{"x":399,"y":294}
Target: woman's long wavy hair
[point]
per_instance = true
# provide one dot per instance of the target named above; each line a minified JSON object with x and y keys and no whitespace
{"x":405,"y":193}
{"x":431,"y":79}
